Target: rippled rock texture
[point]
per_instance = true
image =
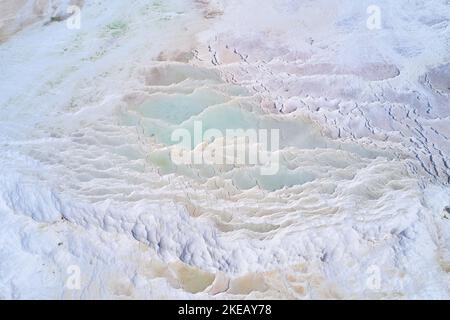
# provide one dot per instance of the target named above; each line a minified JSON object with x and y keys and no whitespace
{"x":92,"y":204}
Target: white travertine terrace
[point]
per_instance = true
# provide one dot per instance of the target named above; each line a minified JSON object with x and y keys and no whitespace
{"x":86,"y":177}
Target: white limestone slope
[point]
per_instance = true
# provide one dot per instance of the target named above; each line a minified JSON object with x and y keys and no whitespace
{"x":87,"y":181}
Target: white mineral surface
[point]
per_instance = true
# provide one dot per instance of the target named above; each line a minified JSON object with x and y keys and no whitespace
{"x":91,"y":205}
